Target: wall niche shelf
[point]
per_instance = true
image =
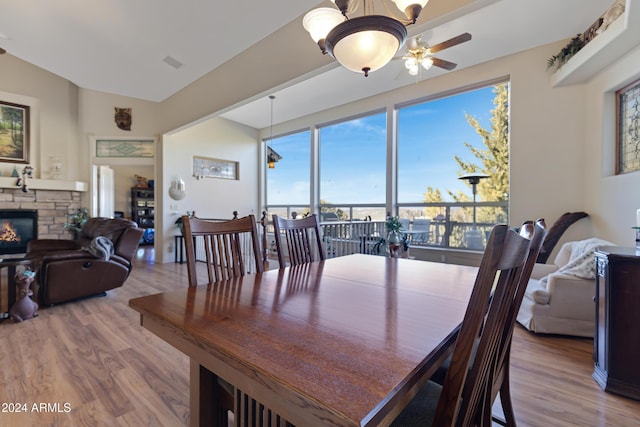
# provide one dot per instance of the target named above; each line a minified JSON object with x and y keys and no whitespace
{"x":618,"y":39}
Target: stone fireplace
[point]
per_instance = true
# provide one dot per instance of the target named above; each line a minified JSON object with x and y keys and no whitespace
{"x":52,"y":207}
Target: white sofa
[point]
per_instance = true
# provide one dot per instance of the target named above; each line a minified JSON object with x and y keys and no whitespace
{"x":560,"y":297}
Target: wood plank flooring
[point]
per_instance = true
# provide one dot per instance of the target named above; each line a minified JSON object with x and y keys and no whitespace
{"x":90,"y":363}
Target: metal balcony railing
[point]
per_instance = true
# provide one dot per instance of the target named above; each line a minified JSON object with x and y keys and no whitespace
{"x":354,"y":228}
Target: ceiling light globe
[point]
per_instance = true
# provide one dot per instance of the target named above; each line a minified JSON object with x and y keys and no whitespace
{"x":414,"y":70}
{"x":411,"y":8}
{"x":410,"y":63}
{"x":319,"y":22}
{"x":426,"y":63}
{"x":366,"y":43}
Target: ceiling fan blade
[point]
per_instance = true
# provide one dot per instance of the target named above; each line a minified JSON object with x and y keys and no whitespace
{"x":444,"y":64}
{"x":465,"y":37}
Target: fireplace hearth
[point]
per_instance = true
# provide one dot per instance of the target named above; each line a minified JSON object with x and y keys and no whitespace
{"x":17,"y":228}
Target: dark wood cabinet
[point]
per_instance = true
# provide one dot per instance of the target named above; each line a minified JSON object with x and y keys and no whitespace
{"x":617,"y":335}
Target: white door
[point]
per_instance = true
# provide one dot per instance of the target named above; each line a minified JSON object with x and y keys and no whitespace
{"x":106,"y":192}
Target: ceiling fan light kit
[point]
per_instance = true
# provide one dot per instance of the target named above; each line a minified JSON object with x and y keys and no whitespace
{"x":365,"y":43}
{"x":421,"y":54}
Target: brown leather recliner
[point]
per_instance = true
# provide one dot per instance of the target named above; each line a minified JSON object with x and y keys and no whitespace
{"x":66,"y":271}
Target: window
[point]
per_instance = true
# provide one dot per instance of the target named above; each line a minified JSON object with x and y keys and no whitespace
{"x":442,"y":139}
{"x":430,"y":137}
{"x":438,"y":141}
{"x":628,"y":132}
{"x":288,"y":183}
{"x":353,"y":162}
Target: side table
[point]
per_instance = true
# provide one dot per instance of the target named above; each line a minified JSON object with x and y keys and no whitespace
{"x":9,"y":265}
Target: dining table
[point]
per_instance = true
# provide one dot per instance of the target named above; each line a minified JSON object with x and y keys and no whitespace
{"x":347,"y":341}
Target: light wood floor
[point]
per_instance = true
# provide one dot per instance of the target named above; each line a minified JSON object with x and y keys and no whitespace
{"x":93,"y":356}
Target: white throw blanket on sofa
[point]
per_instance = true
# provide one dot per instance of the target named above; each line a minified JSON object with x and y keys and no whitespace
{"x":582,"y":261}
{"x":582,"y":264}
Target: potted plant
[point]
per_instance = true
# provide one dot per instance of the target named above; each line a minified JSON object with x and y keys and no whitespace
{"x":76,"y":221}
{"x":395,"y":237}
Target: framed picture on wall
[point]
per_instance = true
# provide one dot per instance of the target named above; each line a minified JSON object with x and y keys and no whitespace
{"x":14,"y":132}
{"x":205,"y":167}
{"x":628,"y":128}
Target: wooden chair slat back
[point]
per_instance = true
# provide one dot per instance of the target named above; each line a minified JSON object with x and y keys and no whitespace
{"x":497,"y":277}
{"x":489,"y":365}
{"x":302,"y":237}
{"x":226,"y":246}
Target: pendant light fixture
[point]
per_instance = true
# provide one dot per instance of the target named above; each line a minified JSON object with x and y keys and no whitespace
{"x":271,"y":155}
{"x":365,"y":43}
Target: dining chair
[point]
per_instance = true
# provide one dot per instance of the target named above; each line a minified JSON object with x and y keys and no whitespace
{"x":231,"y":248}
{"x":501,"y":384}
{"x":537,"y":233}
{"x":302,"y":238}
{"x":466,"y":395}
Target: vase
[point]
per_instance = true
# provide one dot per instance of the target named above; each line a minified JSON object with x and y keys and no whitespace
{"x":394,"y":242}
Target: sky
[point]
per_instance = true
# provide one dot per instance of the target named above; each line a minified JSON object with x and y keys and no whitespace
{"x":352,"y":154}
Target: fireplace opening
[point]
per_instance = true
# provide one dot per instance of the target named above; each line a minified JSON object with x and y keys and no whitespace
{"x":17,"y":228}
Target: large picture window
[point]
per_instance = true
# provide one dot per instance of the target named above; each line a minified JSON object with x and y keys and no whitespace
{"x":352,"y":161}
{"x":439,"y":141}
{"x":353,"y":167}
{"x":466,"y":136}
{"x":288,"y":183}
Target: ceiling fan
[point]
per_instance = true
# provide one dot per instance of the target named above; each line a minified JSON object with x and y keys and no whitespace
{"x":420,"y":53}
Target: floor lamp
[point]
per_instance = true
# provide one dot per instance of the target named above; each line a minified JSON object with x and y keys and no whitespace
{"x":474,"y":237}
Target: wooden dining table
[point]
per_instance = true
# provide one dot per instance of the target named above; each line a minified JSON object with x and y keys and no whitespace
{"x":343,"y":342}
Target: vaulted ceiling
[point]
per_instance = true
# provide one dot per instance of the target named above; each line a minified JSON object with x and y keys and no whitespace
{"x":151,"y":49}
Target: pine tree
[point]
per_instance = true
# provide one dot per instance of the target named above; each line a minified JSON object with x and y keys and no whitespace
{"x":493,"y":159}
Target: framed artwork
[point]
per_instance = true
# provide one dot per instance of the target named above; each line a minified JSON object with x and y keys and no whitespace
{"x":124,"y":147}
{"x":628,"y":128}
{"x":205,"y":167}
{"x":14,"y":132}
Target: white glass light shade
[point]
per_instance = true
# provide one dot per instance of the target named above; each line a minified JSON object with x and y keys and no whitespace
{"x":427,"y":63}
{"x":366,"y":43}
{"x":319,"y":22}
{"x":403,"y":4}
{"x":411,"y":8}
{"x":413,"y":70}
{"x":410,"y":63}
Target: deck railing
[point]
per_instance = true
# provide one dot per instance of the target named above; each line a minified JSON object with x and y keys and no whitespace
{"x":451,"y":228}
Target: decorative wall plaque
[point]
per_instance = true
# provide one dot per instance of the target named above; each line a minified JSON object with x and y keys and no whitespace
{"x":124,"y":148}
{"x":205,"y":167}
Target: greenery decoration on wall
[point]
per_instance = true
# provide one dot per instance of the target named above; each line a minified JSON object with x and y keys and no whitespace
{"x":566,"y":52}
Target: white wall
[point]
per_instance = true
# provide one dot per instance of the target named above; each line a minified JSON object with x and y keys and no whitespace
{"x":53,"y":102}
{"x":210,"y":197}
{"x":611,"y":199}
